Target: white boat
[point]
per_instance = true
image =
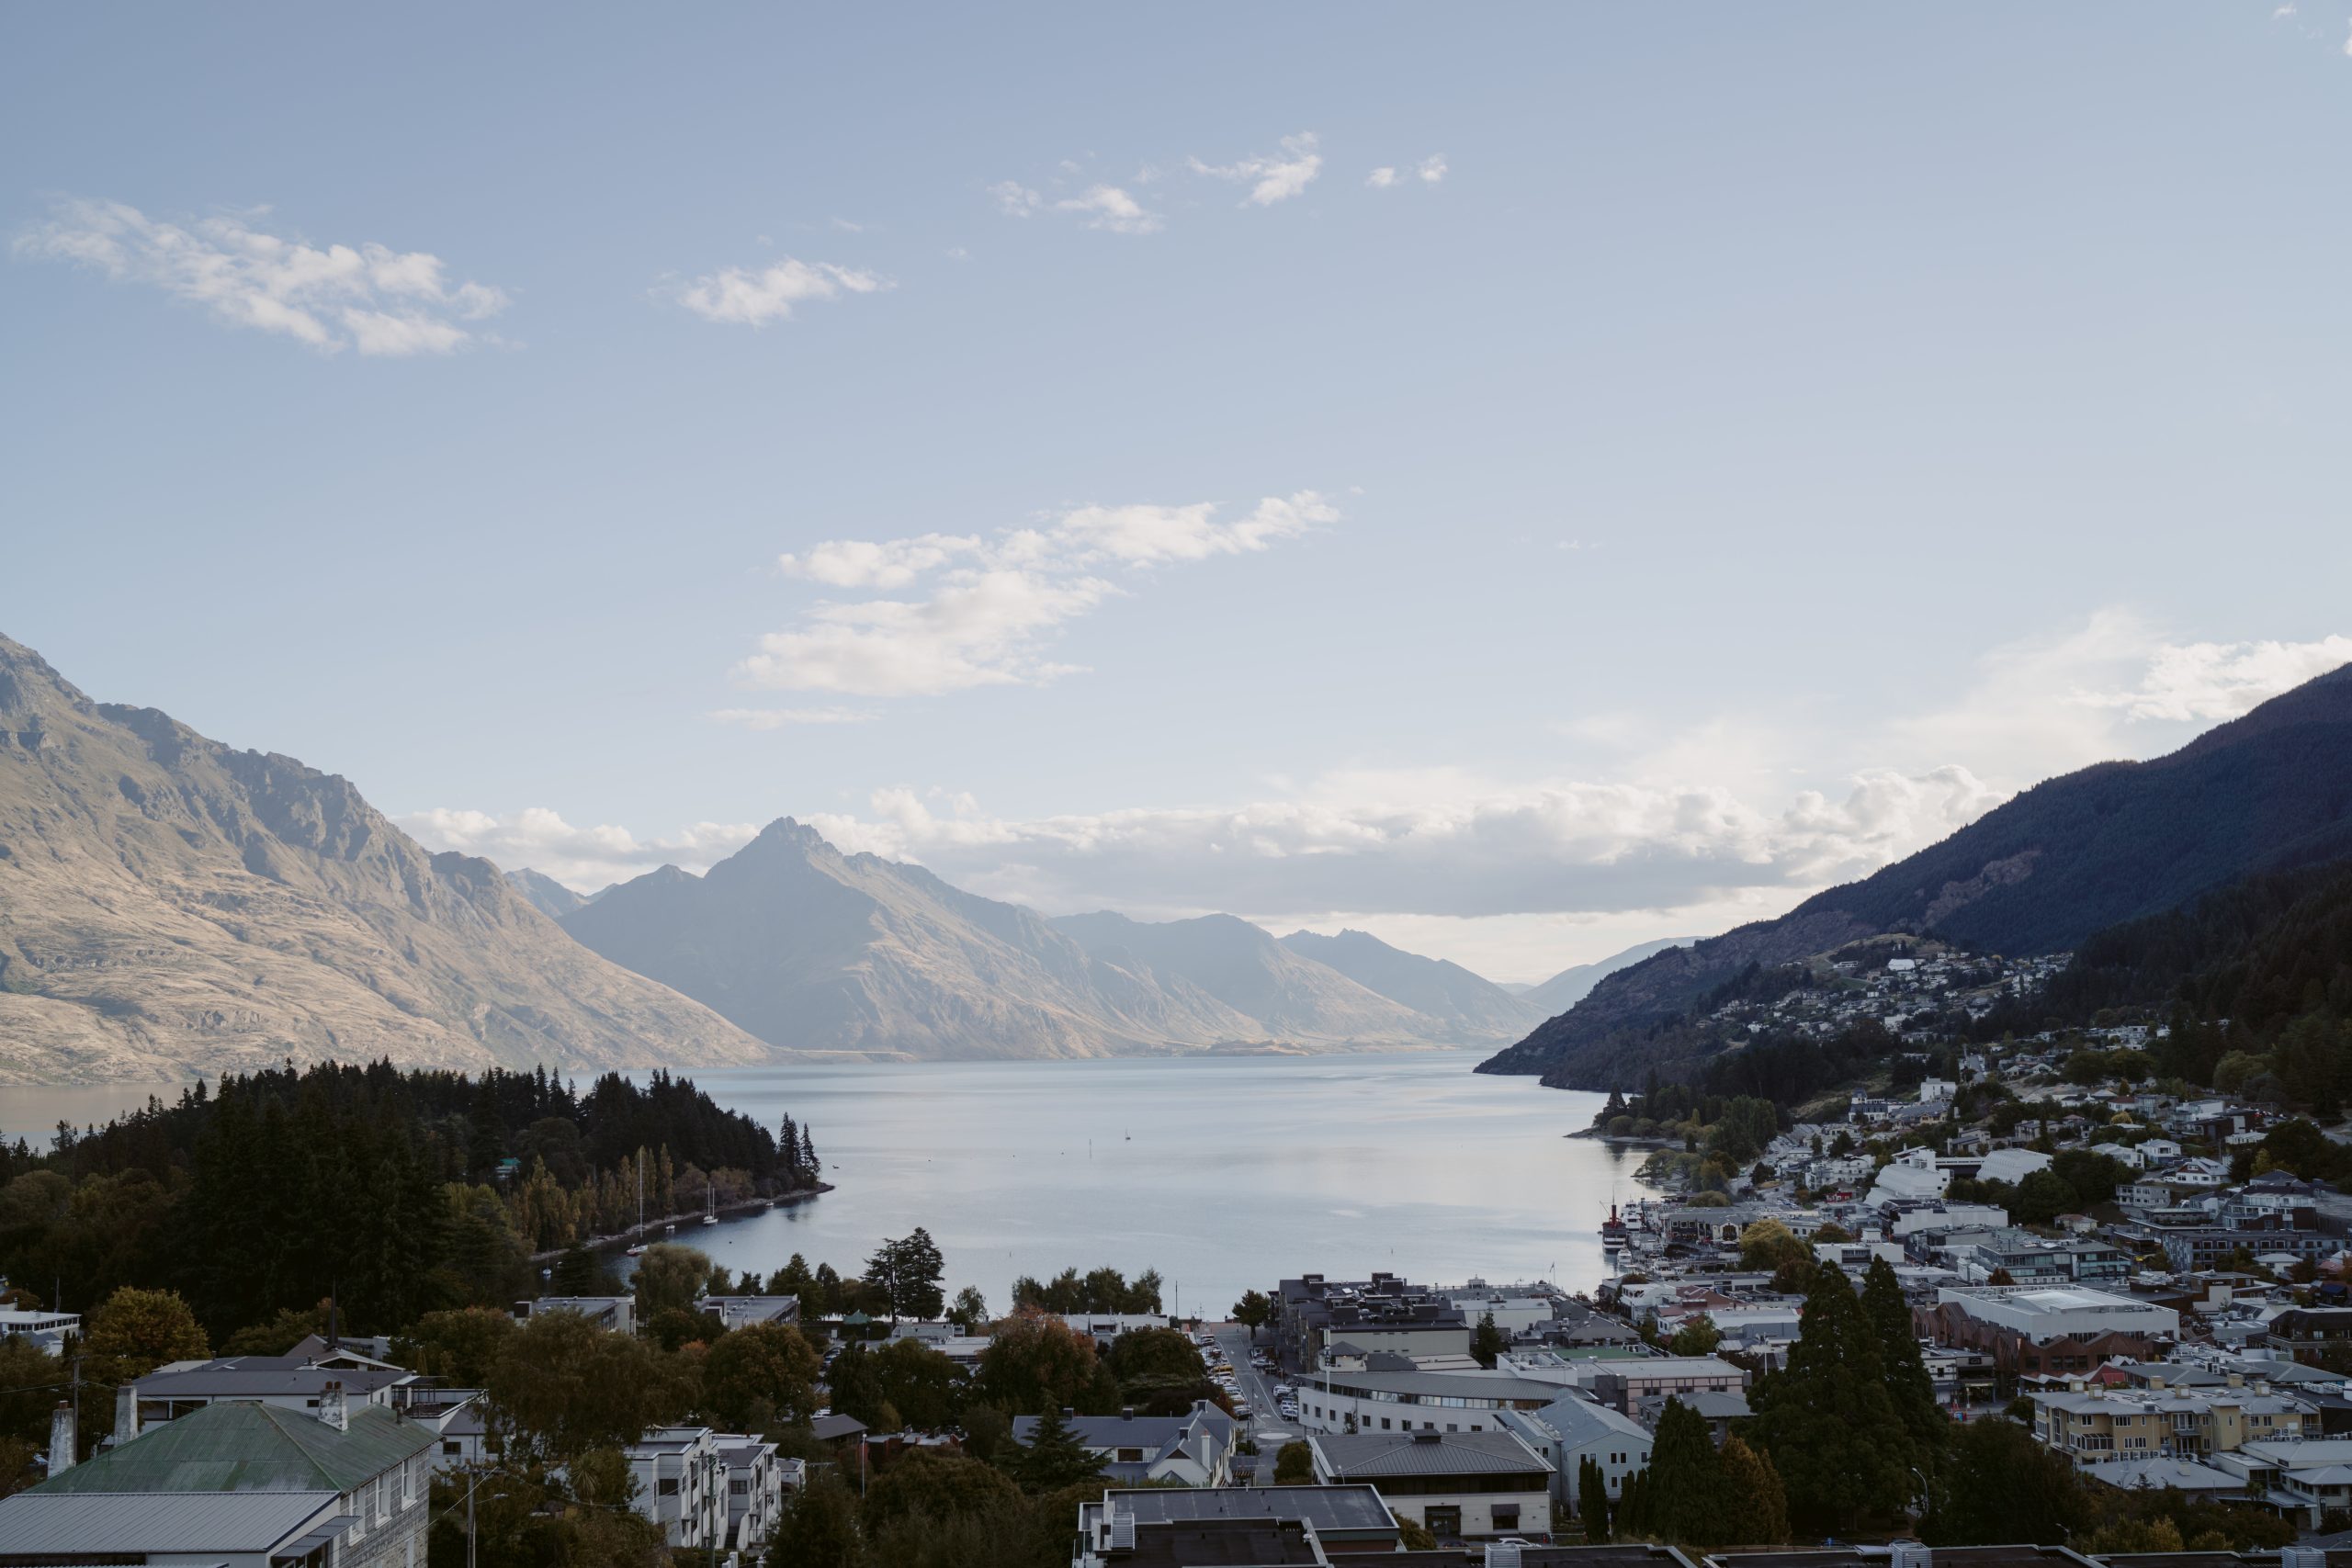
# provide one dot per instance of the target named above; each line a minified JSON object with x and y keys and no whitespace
{"x":709,"y":1204}
{"x":638,"y":1250}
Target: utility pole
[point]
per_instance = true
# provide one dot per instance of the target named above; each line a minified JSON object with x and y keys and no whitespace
{"x":469,"y":1521}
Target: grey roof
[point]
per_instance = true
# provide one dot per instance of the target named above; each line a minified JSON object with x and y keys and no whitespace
{"x":234,"y":1448}
{"x":1468,"y":1385}
{"x":1328,"y":1508}
{"x":833,"y":1429}
{"x":1581,"y":1421}
{"x":261,"y":1377}
{"x":1362,"y":1456}
{"x":43,"y":1521}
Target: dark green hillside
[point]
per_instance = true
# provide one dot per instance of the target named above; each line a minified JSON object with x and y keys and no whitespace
{"x":2268,"y":793}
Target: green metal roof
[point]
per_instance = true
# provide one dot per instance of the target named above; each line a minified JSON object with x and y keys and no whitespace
{"x":229,"y":1446}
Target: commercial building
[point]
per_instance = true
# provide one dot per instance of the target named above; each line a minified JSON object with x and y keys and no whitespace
{"x":1259,"y":1525}
{"x":1571,"y":1430}
{"x":1406,"y":1400}
{"x":2039,"y":1329}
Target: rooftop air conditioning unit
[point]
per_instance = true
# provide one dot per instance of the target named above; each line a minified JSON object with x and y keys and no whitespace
{"x":1907,"y":1554}
{"x":1504,"y":1553}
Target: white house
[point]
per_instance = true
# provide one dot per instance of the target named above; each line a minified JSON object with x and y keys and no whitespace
{"x":1452,"y":1483}
{"x":1194,"y":1450}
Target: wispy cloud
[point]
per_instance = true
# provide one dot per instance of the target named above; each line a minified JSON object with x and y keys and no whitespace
{"x":755,"y":297}
{"x":1016,"y":200}
{"x":369,"y":298}
{"x":1272,"y":177}
{"x":988,"y":604}
{"x":2221,"y":679}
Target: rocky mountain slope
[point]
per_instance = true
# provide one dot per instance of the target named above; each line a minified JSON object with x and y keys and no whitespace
{"x":171,"y":906}
{"x":1474,"y":1005}
{"x":2270,"y":791}
{"x":544,"y":893}
{"x":811,"y":949}
{"x":814,"y":950}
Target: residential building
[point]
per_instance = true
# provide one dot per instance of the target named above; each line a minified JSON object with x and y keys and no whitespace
{"x":618,"y":1314}
{"x":269,"y":1485}
{"x":1195,"y":1448}
{"x":680,"y":1485}
{"x":757,"y":1481}
{"x":46,"y":1329}
{"x":1571,"y":1430}
{"x":743,"y":1311}
{"x":1104,"y":1327}
{"x":1452,"y":1483}
{"x":2091,"y":1423}
{"x":2313,"y":1335}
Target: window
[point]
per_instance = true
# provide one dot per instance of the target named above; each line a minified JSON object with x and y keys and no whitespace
{"x":666,"y":1487}
{"x":1384,"y":1423}
{"x":451,"y":1446}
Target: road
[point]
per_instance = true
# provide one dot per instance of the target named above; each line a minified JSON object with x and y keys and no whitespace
{"x":1257,"y":1390}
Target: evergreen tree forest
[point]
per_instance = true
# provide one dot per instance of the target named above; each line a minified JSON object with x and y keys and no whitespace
{"x":396,"y":1192}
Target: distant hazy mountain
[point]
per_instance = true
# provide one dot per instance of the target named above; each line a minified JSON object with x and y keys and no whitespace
{"x":170,"y":905}
{"x":2109,"y":844}
{"x":1566,"y":989}
{"x":544,"y":893}
{"x":1433,"y":987}
{"x":1289,"y":995}
{"x":811,"y":949}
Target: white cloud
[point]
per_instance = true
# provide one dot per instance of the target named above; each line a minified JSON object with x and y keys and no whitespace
{"x":746,"y":296}
{"x":990,"y":603}
{"x":2222,"y":679}
{"x":1015,"y":200}
{"x":1688,"y":833}
{"x":1428,"y":170}
{"x":779,"y":718}
{"x":379,"y":301}
{"x":583,"y":858}
{"x":1438,"y":842}
{"x":1109,"y":208}
{"x":1272,"y":177}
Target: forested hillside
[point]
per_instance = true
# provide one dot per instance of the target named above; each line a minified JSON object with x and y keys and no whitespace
{"x":380,"y":1187}
{"x":2268,"y":793}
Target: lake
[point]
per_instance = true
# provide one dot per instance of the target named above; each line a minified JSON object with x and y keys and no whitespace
{"x":1224,"y":1173}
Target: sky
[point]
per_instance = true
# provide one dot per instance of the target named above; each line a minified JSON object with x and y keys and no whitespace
{"x":1519,"y":481}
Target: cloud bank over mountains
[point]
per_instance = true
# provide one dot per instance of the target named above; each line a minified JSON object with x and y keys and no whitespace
{"x":1447,"y":844}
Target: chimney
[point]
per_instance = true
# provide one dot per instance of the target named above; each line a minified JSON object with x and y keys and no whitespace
{"x":126,"y":1413}
{"x":333,"y":1410}
{"x":60,"y":1438}
{"x":1126,"y":1412}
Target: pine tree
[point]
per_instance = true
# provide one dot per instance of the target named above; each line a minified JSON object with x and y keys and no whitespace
{"x":1631,"y":1522}
{"x":1592,"y":1500}
{"x":1691,"y":1505}
{"x":1759,"y":1506}
{"x":1053,"y":1457}
{"x":1908,"y":1384}
{"x":1828,"y":1421}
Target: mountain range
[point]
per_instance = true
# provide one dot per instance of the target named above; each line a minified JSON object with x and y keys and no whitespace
{"x":814,"y":950}
{"x":2117,"y":841}
{"x":170,"y":905}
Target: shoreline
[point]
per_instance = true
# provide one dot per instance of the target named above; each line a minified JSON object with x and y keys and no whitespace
{"x":659,"y":1228}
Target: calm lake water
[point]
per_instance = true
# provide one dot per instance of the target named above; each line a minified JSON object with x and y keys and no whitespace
{"x":1223,"y":1174}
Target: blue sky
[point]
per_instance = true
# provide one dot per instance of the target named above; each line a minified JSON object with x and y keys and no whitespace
{"x":1728,"y":448}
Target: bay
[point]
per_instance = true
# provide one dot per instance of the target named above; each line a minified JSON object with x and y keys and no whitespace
{"x":1223,"y":1173}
